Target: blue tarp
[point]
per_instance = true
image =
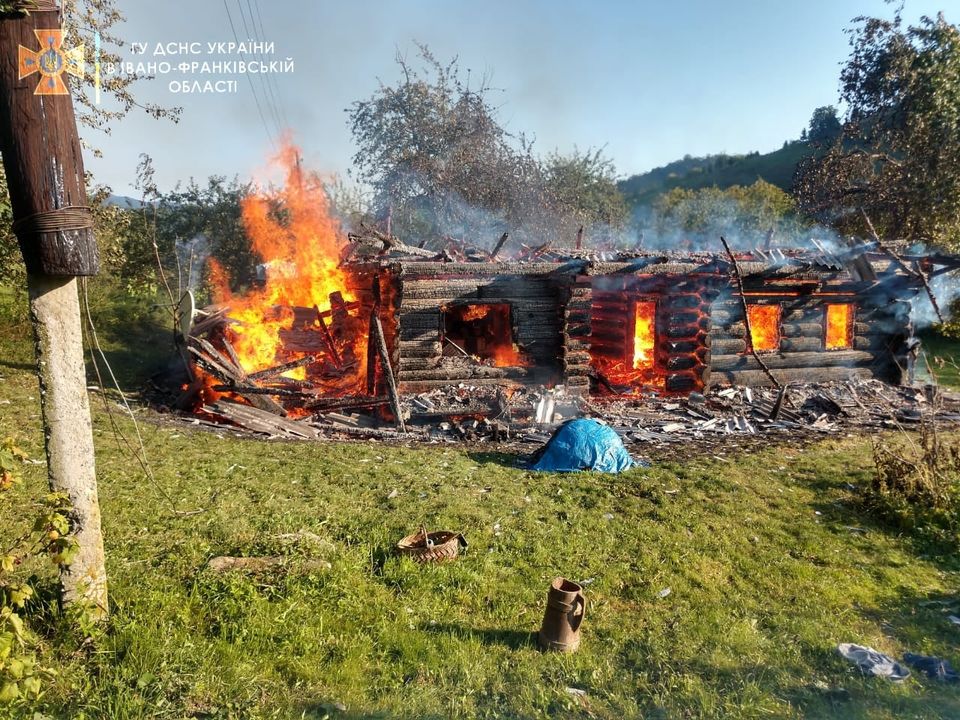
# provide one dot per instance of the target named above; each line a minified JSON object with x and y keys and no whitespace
{"x":584,"y":444}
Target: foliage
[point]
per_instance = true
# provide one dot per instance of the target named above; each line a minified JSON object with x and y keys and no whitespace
{"x":898,"y":155}
{"x":916,"y":485}
{"x":441,"y":164}
{"x":183,"y":227}
{"x":83,"y":19}
{"x":824,"y":125}
{"x":693,"y":173}
{"x":49,"y":536}
{"x":12,"y":270}
{"x":583,"y":188}
{"x":349,"y":203}
{"x":744,"y":215}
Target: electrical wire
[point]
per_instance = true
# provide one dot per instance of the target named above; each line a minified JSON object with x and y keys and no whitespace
{"x":266,"y":92}
{"x":253,"y":88}
{"x":139,"y":452}
{"x":272,"y":78}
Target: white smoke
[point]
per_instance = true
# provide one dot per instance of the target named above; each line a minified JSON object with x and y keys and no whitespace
{"x":192,"y":256}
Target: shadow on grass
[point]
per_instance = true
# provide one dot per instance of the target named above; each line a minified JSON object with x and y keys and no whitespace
{"x":323,"y":710}
{"x":513,"y":639}
{"x":26,"y":367}
{"x":506,"y":460}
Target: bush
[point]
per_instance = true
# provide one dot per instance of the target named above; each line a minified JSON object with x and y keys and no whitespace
{"x":916,"y":486}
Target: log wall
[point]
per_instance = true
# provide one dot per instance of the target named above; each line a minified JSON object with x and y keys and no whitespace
{"x":880,"y":326}
{"x":682,"y":326}
{"x":537,"y":300}
{"x":566,"y":317}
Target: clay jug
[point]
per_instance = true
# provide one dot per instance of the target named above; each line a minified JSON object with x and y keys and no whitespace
{"x":560,"y":631}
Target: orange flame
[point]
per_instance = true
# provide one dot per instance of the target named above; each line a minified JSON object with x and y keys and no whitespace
{"x":839,"y":326}
{"x":490,"y":340}
{"x":764,"y":327}
{"x":291,"y":229}
{"x":636,"y":368}
{"x":475,"y":312}
{"x":644,"y":338}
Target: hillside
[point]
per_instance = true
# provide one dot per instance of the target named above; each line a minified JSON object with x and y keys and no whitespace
{"x":722,"y":170}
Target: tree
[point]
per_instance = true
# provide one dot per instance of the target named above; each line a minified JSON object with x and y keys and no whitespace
{"x":743,"y":214}
{"x":441,"y":164}
{"x":583,"y":188}
{"x":898,"y":155}
{"x":824,"y":125}
{"x":84,"y":21}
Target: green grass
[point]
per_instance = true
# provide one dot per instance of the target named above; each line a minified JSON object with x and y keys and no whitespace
{"x":765,"y":574}
{"x":943,"y":355}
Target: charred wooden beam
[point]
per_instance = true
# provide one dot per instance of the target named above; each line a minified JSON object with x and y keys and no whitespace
{"x":282,"y":368}
{"x":499,"y":246}
{"x":757,"y":378}
{"x":849,"y":358}
{"x":746,"y":315}
{"x":387,"y":369}
{"x":328,"y":338}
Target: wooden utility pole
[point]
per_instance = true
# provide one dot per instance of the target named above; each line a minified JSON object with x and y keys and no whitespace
{"x":54,"y":226}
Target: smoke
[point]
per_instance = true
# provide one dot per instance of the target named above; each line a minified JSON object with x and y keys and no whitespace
{"x":191,"y":259}
{"x":699,"y":225}
{"x":946,"y":290}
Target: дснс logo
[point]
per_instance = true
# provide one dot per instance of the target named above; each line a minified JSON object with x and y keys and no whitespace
{"x":51,"y":62}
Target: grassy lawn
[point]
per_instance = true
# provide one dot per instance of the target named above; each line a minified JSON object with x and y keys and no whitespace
{"x":768,"y":562}
{"x":943,"y":355}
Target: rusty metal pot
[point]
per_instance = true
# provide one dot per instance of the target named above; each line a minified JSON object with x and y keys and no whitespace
{"x":566,"y":605}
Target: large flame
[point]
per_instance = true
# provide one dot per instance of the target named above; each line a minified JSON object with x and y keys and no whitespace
{"x":839,"y":330}
{"x":291,"y":229}
{"x":636,"y":368}
{"x":644,"y":336}
{"x":764,"y":327}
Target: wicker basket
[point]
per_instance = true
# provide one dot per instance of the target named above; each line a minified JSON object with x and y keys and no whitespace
{"x":443,"y":546}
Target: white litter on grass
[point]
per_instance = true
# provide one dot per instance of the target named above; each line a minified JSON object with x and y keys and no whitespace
{"x":663,"y":593}
{"x":873,"y":662}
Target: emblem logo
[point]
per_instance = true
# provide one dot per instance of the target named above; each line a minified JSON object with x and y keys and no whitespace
{"x":51,"y":61}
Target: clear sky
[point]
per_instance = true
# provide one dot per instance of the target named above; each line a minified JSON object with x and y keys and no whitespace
{"x":649,"y":81}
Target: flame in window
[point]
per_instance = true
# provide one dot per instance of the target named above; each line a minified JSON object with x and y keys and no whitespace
{"x":644,"y":335}
{"x":839,"y":326}
{"x":764,"y":327}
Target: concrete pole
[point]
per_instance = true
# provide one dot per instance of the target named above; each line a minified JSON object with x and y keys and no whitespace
{"x":68,"y":435}
{"x":44,"y":166}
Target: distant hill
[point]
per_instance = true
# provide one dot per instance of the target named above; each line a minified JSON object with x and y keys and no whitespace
{"x":128,"y":203}
{"x":722,"y":170}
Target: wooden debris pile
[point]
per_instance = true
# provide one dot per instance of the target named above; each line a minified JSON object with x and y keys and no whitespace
{"x":324,"y":350}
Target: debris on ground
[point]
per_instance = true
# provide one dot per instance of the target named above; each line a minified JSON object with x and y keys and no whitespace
{"x":872,"y":662}
{"x":933,"y":667}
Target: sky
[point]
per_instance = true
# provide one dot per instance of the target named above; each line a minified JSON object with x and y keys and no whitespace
{"x":647,"y":81}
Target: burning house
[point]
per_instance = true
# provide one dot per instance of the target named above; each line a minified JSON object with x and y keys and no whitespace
{"x":673,"y":324}
{"x":332,"y":327}
{"x":622,"y":324}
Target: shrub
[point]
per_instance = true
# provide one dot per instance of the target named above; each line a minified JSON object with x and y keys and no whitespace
{"x":916,"y":485}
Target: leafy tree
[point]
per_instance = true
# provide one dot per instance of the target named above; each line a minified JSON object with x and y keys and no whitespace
{"x":441,"y":164}
{"x":583,"y":188}
{"x":743,"y":214}
{"x":824,"y":125}
{"x":83,"y":20}
{"x":898,"y":156}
